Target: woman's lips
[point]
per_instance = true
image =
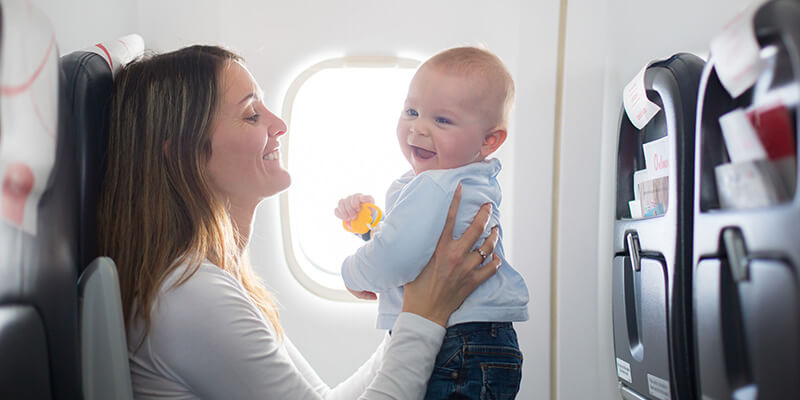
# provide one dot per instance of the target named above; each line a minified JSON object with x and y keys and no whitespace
{"x":273,"y":154}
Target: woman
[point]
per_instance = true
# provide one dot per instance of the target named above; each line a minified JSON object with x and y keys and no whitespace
{"x":192,"y":151}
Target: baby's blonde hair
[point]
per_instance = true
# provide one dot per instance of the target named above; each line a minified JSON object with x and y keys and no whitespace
{"x":469,"y":60}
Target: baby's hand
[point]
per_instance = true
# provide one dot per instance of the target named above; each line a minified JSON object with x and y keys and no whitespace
{"x":350,"y":206}
{"x":363,"y":294}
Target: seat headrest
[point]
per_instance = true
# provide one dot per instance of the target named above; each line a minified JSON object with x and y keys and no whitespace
{"x":88,"y":87}
{"x":119,"y":52}
{"x":28,"y":111}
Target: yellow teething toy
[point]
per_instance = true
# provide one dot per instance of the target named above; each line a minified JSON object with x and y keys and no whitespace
{"x":368,"y":217}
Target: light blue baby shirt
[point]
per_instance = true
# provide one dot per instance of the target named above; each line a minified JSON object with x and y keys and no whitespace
{"x":416,"y":210}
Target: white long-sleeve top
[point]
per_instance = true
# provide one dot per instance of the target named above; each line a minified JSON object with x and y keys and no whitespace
{"x":416,"y":211}
{"x":208,"y":340}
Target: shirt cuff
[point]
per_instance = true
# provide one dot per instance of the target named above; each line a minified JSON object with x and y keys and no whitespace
{"x":419,"y":324}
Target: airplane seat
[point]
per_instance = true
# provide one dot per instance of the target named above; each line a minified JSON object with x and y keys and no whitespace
{"x":39,"y":356}
{"x":88,"y":84}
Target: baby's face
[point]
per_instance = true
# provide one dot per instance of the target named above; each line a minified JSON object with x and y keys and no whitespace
{"x":443,"y":123}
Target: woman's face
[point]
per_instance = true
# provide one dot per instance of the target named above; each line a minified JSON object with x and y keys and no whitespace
{"x":245,"y":165}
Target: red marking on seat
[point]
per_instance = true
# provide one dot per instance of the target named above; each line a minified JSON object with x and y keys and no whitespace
{"x":15,"y":90}
{"x":50,"y":132}
{"x":110,"y":63}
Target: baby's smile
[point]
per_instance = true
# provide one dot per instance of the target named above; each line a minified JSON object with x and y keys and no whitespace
{"x":421,"y":153}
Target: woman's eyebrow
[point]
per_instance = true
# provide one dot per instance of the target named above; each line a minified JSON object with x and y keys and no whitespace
{"x":254,"y":95}
{"x":249,"y":96}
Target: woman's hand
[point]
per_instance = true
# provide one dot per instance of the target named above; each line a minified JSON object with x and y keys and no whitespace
{"x":452,"y":272}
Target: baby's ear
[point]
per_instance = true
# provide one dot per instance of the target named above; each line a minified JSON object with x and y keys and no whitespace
{"x":492,"y":141}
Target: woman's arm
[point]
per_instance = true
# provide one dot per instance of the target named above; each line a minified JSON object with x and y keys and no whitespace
{"x":409,"y":359}
{"x":399,"y":368}
{"x":208,"y":340}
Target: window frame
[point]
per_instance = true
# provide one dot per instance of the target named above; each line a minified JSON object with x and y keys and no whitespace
{"x":299,"y":263}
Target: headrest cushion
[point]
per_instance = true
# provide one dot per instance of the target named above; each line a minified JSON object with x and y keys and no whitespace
{"x":119,"y":52}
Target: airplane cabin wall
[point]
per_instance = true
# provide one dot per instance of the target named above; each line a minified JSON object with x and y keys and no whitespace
{"x":80,"y":24}
{"x":534,"y":122}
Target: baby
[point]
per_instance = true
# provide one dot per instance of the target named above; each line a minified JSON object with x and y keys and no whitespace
{"x":455,"y":116}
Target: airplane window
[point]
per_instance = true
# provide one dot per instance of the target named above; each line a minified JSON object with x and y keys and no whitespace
{"x":342,"y":116}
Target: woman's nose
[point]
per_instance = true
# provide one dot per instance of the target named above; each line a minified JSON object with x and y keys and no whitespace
{"x":276,"y":126}
{"x":277,"y":129}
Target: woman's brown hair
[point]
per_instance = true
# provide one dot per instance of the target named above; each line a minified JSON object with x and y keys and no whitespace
{"x":157,"y":210}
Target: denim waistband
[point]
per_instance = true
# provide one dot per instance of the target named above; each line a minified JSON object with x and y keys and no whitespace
{"x":477,"y":327}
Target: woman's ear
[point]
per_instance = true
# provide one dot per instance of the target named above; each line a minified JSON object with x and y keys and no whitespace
{"x":166,"y":148}
{"x":492,"y":141}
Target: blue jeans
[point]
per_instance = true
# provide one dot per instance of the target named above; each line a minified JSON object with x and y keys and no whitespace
{"x":478,"y":360}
